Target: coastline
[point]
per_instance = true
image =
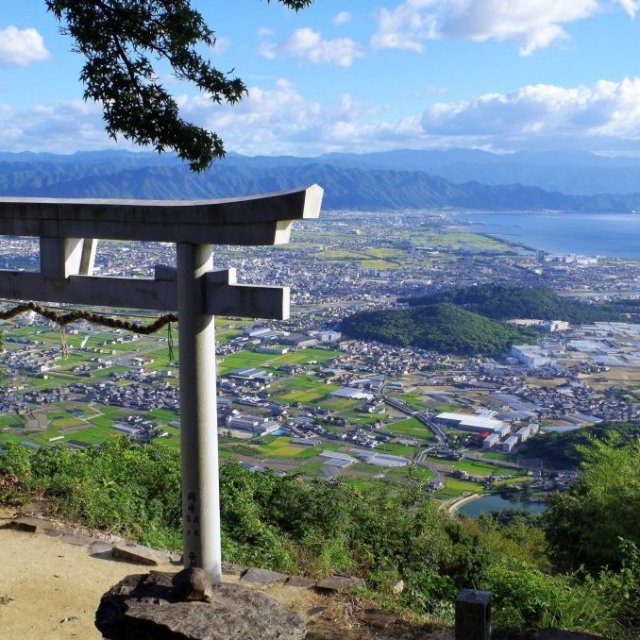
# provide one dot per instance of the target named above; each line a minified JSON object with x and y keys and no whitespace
{"x":511,"y":243}
{"x":460,"y":502}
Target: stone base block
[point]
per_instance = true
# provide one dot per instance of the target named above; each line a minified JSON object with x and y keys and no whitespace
{"x":146,"y":607}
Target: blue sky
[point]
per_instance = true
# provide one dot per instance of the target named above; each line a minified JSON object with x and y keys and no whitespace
{"x":365,"y":75}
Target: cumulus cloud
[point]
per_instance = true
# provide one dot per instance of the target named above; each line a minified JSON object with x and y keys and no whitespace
{"x":344,"y":17}
{"x":604,"y":116}
{"x":61,"y":127}
{"x":280,"y":120}
{"x":534,"y":24}
{"x":309,"y":46}
{"x":274,"y":120}
{"x":21,"y":46}
{"x":630,"y":6}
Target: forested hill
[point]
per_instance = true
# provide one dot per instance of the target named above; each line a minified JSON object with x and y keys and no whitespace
{"x":441,"y":327}
{"x":502,"y":302}
{"x":128,"y":175}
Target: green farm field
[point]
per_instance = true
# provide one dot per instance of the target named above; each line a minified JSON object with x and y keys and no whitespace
{"x":409,"y":427}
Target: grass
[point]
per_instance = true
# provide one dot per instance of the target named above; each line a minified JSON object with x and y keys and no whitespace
{"x":463,"y":240}
{"x":243,"y":360}
{"x":454,"y":488}
{"x":361,"y":483}
{"x":252,"y":359}
{"x":495,"y":455}
{"x":313,"y":469}
{"x":164,"y":416}
{"x":363,"y":467}
{"x":107,"y":371}
{"x":173,"y":441}
{"x":93,"y":435}
{"x":409,"y":427}
{"x":414,"y":399}
{"x":305,"y":355}
{"x":302,"y":388}
{"x":13,"y":421}
{"x":371,"y":258}
{"x":340,"y":404}
{"x":281,"y":447}
{"x":479,"y":468}
{"x":66,"y":423}
{"x":515,"y":480}
{"x":400,"y":474}
{"x":396,"y":450}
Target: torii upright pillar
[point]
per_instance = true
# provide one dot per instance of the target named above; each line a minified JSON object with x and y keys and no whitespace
{"x":200,"y":485}
{"x":193,"y":289}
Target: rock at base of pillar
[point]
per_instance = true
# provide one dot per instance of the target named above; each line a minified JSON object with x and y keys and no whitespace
{"x":147,"y":607}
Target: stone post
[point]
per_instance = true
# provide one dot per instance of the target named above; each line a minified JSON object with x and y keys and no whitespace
{"x":473,"y":615}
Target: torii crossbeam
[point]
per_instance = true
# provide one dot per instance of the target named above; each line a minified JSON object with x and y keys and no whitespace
{"x":67,"y":230}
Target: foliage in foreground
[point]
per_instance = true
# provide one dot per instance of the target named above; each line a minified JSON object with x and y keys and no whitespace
{"x":587,"y":525}
{"x":317,"y":528}
{"x":123,"y":44}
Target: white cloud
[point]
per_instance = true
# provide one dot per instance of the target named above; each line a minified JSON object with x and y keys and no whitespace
{"x":21,"y":46}
{"x":62,"y":127}
{"x":308,"y":45}
{"x":407,"y":26}
{"x":343,"y":18}
{"x":604,"y":116}
{"x":630,"y":6}
{"x":281,"y":121}
{"x":533,"y":24}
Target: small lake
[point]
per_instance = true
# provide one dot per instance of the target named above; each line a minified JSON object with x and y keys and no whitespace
{"x":490,"y":503}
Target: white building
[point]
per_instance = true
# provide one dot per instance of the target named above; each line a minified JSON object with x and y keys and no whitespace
{"x":509,"y":444}
{"x":530,"y":355}
{"x":471,"y":422}
{"x":352,"y":394}
{"x":491,"y":441}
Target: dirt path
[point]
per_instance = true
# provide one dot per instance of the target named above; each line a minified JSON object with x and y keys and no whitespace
{"x":55,"y":587}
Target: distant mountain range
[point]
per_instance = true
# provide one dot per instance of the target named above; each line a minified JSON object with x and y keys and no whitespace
{"x":378,"y":181}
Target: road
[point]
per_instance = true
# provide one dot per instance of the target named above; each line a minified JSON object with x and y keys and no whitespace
{"x":403,"y":407}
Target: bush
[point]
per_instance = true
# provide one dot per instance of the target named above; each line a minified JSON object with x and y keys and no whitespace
{"x":526,"y":598}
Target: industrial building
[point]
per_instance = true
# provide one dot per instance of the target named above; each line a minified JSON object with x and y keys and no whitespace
{"x":352,"y":394}
{"x":472,"y":422}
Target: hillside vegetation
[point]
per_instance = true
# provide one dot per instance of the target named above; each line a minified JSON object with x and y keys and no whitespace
{"x":384,"y":535}
{"x":443,"y":327}
{"x":567,"y":450}
{"x":503,"y":302}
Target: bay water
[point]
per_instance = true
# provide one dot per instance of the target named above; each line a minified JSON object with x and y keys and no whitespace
{"x":615,"y":235}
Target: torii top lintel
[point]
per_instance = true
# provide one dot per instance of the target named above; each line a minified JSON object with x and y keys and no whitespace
{"x":256,"y":220}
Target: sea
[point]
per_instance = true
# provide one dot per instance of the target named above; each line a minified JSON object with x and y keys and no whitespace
{"x":613,"y":235}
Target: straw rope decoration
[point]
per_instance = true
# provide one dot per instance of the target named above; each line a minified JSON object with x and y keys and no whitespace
{"x":62,"y":319}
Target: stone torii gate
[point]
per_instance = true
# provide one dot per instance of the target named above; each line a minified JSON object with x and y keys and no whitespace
{"x":67,"y":230}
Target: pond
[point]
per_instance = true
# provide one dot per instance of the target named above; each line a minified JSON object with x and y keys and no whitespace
{"x":489,"y":503}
